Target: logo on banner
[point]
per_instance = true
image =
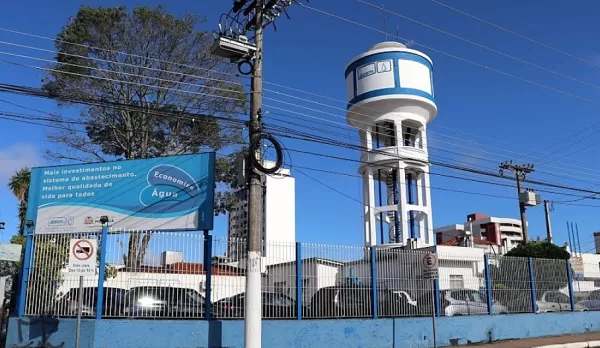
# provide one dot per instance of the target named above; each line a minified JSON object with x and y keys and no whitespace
{"x":167,"y":183}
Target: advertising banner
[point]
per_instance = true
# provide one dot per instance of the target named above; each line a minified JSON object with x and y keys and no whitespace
{"x":156,"y":194}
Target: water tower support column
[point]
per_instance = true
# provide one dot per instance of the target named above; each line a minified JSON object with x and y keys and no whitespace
{"x":369,"y":207}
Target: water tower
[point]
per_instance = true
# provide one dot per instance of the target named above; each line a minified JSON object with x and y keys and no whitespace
{"x":391,"y":101}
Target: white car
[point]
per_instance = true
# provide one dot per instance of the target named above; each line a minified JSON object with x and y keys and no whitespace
{"x":467,"y":302}
{"x":556,"y":301}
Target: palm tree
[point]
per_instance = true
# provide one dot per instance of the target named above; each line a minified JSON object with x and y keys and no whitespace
{"x":19,"y":185}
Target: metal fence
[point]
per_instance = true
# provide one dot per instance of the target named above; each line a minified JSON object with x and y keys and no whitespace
{"x":184,"y":275}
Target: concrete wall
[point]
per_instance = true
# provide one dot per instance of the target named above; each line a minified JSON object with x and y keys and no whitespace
{"x":397,"y":333}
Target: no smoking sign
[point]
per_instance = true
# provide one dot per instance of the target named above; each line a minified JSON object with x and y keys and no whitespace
{"x":82,"y":257}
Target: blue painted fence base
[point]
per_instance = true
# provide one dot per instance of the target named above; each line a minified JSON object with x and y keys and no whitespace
{"x":347,"y":333}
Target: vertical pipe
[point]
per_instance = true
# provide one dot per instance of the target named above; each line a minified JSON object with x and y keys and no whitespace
{"x":578,"y":242}
{"x":208,"y":273}
{"x":573,"y":238}
{"x":532,"y":280}
{"x":380,"y":205}
{"x":299,"y":281}
{"x":102,"y":246}
{"x":396,"y":215}
{"x":374,"y":301}
{"x":25,"y":273}
{"x":409,"y":182}
{"x":569,"y":235}
{"x":570,"y":282}
{"x":488,"y":284}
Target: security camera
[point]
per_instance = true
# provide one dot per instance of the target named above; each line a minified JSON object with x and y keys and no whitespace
{"x":104,"y":219}
{"x":235,"y":49}
{"x":2,"y":223}
{"x":29,"y":223}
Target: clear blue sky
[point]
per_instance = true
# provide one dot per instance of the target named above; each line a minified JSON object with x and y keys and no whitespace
{"x":310,"y":53}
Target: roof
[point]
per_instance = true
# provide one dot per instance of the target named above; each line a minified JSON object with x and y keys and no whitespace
{"x":314,"y":259}
{"x":186,"y":268}
{"x":455,"y":241}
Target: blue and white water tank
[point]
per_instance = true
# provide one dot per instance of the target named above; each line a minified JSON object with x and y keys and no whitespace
{"x":391,"y":100}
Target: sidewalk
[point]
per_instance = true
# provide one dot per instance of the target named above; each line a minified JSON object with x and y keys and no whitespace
{"x":538,"y":342}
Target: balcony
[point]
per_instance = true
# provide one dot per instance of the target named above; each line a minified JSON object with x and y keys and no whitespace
{"x":394,"y":154}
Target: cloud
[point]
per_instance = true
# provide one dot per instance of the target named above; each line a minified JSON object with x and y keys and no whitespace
{"x":15,"y":157}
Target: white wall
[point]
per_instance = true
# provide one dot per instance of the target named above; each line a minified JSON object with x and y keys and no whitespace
{"x":280,"y":201}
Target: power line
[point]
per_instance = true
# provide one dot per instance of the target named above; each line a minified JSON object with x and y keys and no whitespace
{"x":564,"y":53}
{"x":203,"y":86}
{"x":356,"y":147}
{"x":534,"y":83}
{"x":55,"y":40}
{"x":471,"y":170}
{"x":537,"y":66}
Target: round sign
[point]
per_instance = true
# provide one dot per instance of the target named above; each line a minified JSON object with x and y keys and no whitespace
{"x":82,"y":250}
{"x":430,"y":261}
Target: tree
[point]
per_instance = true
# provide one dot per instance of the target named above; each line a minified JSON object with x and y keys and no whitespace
{"x":510,"y":275}
{"x":19,"y":185}
{"x":540,"y":249}
{"x":156,"y":80}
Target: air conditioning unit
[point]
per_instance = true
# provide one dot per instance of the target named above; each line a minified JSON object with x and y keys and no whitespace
{"x":529,"y":198}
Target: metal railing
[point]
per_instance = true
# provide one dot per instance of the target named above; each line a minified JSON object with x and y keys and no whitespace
{"x":182,"y":275}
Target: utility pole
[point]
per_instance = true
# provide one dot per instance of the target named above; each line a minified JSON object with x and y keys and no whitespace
{"x":233,"y":42}
{"x":548,"y":226}
{"x":520,"y":172}
{"x":253,"y":309}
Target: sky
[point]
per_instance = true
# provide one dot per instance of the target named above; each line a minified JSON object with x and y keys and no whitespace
{"x":514,"y":100}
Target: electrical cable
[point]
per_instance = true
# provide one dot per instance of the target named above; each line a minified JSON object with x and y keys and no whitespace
{"x":537,"y":66}
{"x":177,"y":81}
{"x":571,"y":177}
{"x":516,"y":34}
{"x":534,"y":83}
{"x":55,"y":40}
{"x":117,"y":80}
{"x":95,"y":77}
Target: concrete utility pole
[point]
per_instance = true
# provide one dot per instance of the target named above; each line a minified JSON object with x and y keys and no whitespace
{"x":233,"y":43}
{"x":548,"y":226}
{"x":520,"y":172}
{"x":253,"y":310}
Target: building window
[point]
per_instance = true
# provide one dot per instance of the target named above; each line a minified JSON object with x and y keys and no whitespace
{"x":456,"y":281}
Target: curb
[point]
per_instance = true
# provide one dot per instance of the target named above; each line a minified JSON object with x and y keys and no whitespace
{"x":588,"y":344}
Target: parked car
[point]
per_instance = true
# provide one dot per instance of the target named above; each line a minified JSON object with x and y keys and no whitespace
{"x":556,"y":301}
{"x":592,"y":302}
{"x":274,"y":305}
{"x":356,"y":301}
{"x":466,"y":302}
{"x":164,"y":302}
{"x":112,"y":303}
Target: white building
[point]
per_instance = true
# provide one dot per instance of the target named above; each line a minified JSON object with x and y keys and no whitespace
{"x":390,"y":102}
{"x":279,"y":220}
{"x":503,"y":232}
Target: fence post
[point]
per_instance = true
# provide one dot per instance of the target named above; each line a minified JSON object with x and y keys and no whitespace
{"x":101,"y":270}
{"x":532,"y":281}
{"x":25,"y":273}
{"x":208,"y":273}
{"x":299,"y":281}
{"x":571,"y":291}
{"x":488,"y":284}
{"x":374,"y":301}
